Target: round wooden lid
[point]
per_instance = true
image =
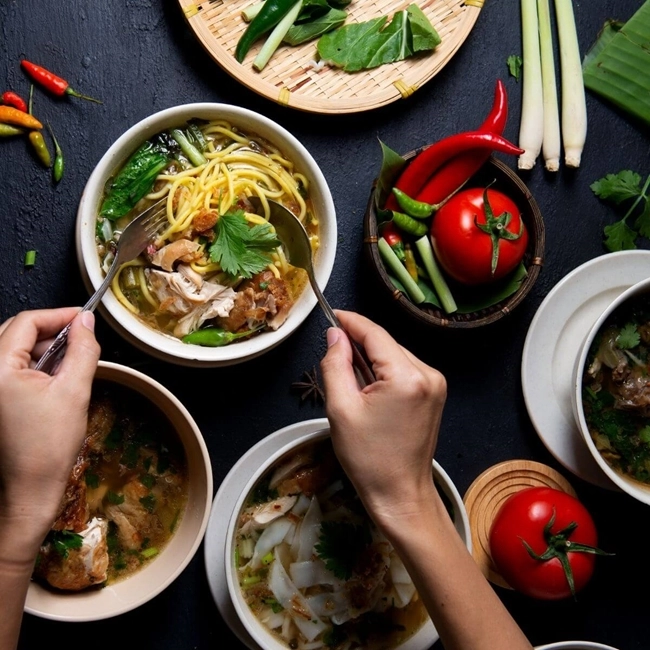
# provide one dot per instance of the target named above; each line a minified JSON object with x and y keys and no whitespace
{"x":487,"y":493}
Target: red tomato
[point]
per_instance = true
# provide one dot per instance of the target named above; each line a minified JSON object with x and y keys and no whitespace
{"x":522,"y":520}
{"x":476,"y":254}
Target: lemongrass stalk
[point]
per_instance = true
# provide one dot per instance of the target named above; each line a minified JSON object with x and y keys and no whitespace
{"x":251,"y":11}
{"x":400,"y":272}
{"x":275,"y":37}
{"x":531,"y":128}
{"x":435,"y":274}
{"x":551,"y":144}
{"x":574,"y":106}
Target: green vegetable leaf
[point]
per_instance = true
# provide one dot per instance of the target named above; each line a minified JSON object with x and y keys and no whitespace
{"x":644,"y":434}
{"x":628,"y":337}
{"x":92,"y":480}
{"x":242,"y":250}
{"x":341,"y":544}
{"x":642,"y":223}
{"x":606,"y":34}
{"x":301,"y":33}
{"x":620,"y":237}
{"x":64,"y":541}
{"x":369,"y":44}
{"x":618,"y":187}
{"x":148,"y":502}
{"x":429,"y":295}
{"x":114,"y":498}
{"x":311,"y":10}
{"x":515,"y":63}
{"x":391,"y":166}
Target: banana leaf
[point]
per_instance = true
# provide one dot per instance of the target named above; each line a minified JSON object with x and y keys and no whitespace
{"x":617,"y":68}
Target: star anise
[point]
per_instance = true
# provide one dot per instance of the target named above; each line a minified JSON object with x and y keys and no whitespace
{"x":309,"y":387}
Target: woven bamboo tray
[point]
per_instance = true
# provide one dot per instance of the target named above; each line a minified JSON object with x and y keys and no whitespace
{"x":508,"y":182}
{"x":290,"y":79}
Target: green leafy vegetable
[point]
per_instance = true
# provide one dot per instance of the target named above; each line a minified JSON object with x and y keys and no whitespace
{"x":303,"y":32}
{"x":242,"y":250}
{"x":515,"y":63}
{"x":92,"y":480}
{"x":148,"y":502}
{"x":373,"y":43}
{"x":64,"y":541}
{"x":135,"y":179}
{"x":391,"y":165}
{"x":148,"y":480}
{"x":114,"y":498}
{"x":340,"y":546}
{"x":625,"y":187}
{"x":628,"y":337}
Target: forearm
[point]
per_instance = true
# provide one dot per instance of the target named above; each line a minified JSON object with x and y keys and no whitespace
{"x":463,"y":606}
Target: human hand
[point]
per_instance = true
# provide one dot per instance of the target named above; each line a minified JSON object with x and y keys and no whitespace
{"x":385,"y":434}
{"x":43,"y":418}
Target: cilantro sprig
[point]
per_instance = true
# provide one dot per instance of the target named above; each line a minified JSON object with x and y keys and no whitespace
{"x":63,"y":541}
{"x":340,"y":546}
{"x":240,"y":249}
{"x":628,"y":337}
{"x":625,"y":187}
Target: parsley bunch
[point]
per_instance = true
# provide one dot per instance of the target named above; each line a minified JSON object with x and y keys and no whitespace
{"x":240,"y":249}
{"x":625,"y":187}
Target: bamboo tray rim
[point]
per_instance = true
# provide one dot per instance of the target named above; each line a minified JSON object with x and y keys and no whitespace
{"x":217,"y":25}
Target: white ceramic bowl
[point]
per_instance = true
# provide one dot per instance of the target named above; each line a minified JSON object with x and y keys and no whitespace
{"x":423,"y":639}
{"x":166,"y":347}
{"x":158,"y":574}
{"x":633,"y":488}
{"x":574,"y":645}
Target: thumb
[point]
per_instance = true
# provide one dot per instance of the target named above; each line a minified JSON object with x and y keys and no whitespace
{"x":82,"y":354}
{"x":336,"y":367}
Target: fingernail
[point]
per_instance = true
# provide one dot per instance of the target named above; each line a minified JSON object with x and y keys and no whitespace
{"x":333,"y":336}
{"x":88,"y":320}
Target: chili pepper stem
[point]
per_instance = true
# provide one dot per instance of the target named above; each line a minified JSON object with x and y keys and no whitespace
{"x":74,"y":93}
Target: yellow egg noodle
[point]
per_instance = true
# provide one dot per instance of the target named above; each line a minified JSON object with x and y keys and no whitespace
{"x":236,"y":167}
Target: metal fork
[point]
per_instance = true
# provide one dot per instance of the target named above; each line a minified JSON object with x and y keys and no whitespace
{"x":134,"y":239}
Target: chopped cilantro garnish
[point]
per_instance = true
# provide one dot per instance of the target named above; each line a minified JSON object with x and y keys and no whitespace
{"x":273,"y":604}
{"x":113,"y":439}
{"x":241,"y":249}
{"x":644,"y":434}
{"x":92,"y":480}
{"x":628,"y":338}
{"x":114,"y":498}
{"x":64,"y":541}
{"x":340,"y":546}
{"x":148,"y":480}
{"x":149,"y":502}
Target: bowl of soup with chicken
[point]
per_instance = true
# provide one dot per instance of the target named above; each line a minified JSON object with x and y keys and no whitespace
{"x":214,"y":284}
{"x":307,"y":568}
{"x":135,"y":508}
{"x":611,"y":398}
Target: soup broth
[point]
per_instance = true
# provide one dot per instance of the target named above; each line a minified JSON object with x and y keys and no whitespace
{"x":616,"y":390}
{"x":304,"y":531}
{"x":216,"y":265}
{"x":125,"y":498}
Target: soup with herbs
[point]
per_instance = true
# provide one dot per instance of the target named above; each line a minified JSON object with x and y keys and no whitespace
{"x":616,"y":389}
{"x":125,"y":496}
{"x":312,"y":566}
{"x":217,"y":272}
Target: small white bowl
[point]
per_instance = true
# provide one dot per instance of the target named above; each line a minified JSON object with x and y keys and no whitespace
{"x":423,"y":639}
{"x":634,"y":488}
{"x":167,"y":347}
{"x":574,"y":645}
{"x":160,"y":572}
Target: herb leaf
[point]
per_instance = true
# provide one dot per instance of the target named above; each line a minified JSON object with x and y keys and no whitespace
{"x":628,"y":337}
{"x":619,"y":237}
{"x":515,"y":63}
{"x":618,"y":187}
{"x":242,"y":250}
{"x":642,"y":223}
{"x":64,"y":541}
{"x":341,"y":544}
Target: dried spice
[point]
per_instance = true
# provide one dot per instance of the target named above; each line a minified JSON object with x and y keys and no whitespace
{"x":309,"y":387}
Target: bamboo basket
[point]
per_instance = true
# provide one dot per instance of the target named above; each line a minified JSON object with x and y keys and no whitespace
{"x":507,"y":181}
{"x":290,"y":78}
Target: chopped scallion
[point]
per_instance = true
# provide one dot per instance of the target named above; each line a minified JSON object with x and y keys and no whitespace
{"x":30,"y":258}
{"x":149,"y":552}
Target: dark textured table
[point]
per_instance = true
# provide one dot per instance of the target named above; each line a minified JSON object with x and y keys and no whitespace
{"x":140,"y":56}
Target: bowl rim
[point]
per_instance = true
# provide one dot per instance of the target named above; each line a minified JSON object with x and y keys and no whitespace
{"x":422,"y":638}
{"x":633,"y":488}
{"x":574,"y":645}
{"x":495,"y":312}
{"x":167,"y":347}
{"x":112,"y":593}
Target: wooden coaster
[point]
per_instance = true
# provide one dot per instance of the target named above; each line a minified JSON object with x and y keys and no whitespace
{"x":486,"y":494}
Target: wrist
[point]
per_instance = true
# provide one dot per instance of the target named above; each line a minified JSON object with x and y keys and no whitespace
{"x":21,"y":536}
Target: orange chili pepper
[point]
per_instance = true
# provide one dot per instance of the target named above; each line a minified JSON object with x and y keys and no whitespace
{"x":11,"y":115}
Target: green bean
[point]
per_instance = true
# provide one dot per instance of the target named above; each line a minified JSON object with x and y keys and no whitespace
{"x":409,"y":224}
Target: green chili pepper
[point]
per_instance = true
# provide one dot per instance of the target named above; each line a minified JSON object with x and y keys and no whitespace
{"x":415,"y":209}
{"x":409,"y":224}
{"x":214,"y":337}
{"x":268,"y":17}
{"x":40,"y":147}
{"x":57,"y":170}
{"x":7,"y":130}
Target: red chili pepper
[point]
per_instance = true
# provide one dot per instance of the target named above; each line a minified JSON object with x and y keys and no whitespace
{"x":429,"y":161}
{"x":459,"y":169}
{"x":11,"y":98}
{"x":51,"y":82}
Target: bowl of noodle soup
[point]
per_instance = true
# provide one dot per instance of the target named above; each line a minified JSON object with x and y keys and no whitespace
{"x":216,"y":287}
{"x":307,"y":568}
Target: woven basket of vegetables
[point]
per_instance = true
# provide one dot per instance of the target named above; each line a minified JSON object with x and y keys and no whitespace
{"x":464,"y":262}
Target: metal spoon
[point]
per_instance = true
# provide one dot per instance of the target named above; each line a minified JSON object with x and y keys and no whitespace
{"x":295,"y":239}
